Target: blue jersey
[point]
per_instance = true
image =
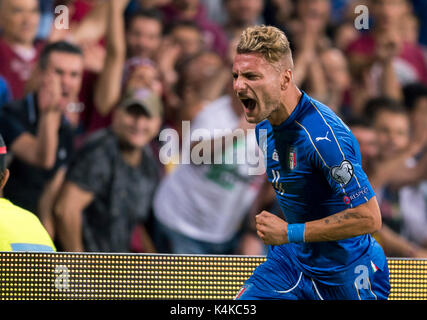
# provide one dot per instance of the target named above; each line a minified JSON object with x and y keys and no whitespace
{"x":313,"y":162}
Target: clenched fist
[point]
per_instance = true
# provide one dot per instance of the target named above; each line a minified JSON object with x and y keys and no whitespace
{"x":271,"y":229}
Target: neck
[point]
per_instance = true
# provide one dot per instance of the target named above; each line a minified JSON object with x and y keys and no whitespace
{"x":132,"y":157}
{"x":288,"y":103}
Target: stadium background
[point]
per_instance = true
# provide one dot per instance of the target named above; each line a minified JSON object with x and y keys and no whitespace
{"x":165,"y":276}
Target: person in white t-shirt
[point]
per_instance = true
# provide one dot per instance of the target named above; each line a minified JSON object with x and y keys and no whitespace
{"x":200,"y":208}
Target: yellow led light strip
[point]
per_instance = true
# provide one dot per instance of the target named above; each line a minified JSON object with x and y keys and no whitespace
{"x":66,"y":276}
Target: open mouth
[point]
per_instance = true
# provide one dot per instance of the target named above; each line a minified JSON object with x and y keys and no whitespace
{"x":249,"y":103}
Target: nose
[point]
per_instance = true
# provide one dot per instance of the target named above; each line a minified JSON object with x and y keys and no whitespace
{"x":238,"y":84}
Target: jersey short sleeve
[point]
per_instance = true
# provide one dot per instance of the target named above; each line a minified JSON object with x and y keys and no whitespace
{"x":336,"y":155}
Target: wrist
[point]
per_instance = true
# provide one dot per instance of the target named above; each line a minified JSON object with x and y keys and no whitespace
{"x":296,"y":232}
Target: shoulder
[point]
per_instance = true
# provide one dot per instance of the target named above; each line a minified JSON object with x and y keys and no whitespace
{"x":99,"y":141}
{"x":99,"y":148}
{"x":12,"y":210}
{"x":327,"y":135}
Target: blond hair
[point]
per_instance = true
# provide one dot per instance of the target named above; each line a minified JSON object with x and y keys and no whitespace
{"x":269,"y":41}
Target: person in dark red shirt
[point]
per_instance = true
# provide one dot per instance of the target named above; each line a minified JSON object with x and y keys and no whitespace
{"x":19,"y":22}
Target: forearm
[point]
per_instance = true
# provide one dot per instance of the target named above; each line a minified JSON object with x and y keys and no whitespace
{"x":47,"y":201}
{"x":69,"y":231}
{"x":395,"y":245}
{"x":389,"y":172}
{"x":93,"y":26}
{"x":302,"y":62}
{"x":47,"y":139}
{"x":317,"y":81}
{"x":108,"y":86}
{"x":343,"y":225}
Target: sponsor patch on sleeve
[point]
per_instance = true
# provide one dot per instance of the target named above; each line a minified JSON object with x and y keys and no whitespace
{"x":359,"y":193}
{"x":343,"y":173}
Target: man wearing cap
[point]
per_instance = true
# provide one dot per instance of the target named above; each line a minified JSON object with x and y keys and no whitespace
{"x":20,"y":230}
{"x":110,"y":185}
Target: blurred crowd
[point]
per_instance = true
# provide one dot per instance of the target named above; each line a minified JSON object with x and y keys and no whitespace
{"x":88,"y":86}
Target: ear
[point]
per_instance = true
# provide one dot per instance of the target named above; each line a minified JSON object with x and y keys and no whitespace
{"x":286,"y":79}
{"x":5,"y":178}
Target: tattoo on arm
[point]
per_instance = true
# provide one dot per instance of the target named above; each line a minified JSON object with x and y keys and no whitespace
{"x":339,"y":217}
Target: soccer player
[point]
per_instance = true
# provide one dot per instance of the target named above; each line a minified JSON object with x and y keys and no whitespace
{"x":324,"y":249}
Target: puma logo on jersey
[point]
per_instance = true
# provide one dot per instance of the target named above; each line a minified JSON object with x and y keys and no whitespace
{"x":323,"y":138}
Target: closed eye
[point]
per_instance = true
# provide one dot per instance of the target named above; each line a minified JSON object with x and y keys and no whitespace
{"x":252,"y":76}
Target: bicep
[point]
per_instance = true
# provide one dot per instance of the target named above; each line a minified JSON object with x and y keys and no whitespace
{"x":73,"y":198}
{"x":25,"y":148}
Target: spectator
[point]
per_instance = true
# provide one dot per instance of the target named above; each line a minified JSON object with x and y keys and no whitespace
{"x":183,"y":39}
{"x":144,"y":34}
{"x":199,"y":208}
{"x":415,"y":97}
{"x":344,"y":32}
{"x":108,"y":89}
{"x":413,"y":197}
{"x":337,"y":79}
{"x":308,"y":31}
{"x":111,"y":182}
{"x":202,"y":79}
{"x":19,"y":21}
{"x":382,"y":59}
{"x":38,"y":134}
{"x":189,"y":37}
{"x":193,"y":10}
{"x":242,"y":14}
{"x":118,"y":76}
{"x":20,"y":230}
{"x":391,"y":173}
